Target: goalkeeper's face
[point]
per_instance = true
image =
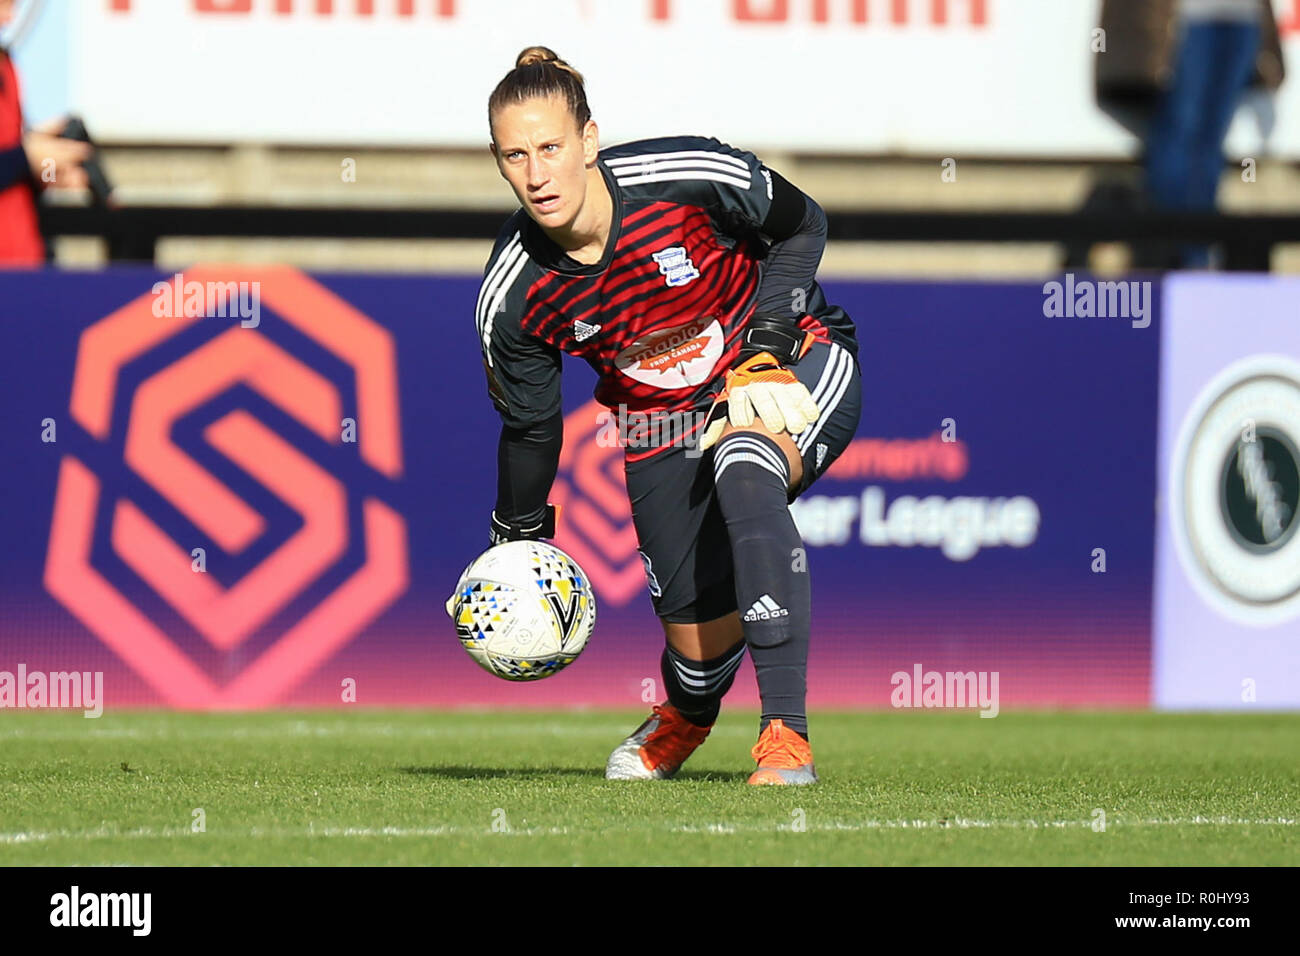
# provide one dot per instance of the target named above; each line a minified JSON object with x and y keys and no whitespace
{"x":545,"y":158}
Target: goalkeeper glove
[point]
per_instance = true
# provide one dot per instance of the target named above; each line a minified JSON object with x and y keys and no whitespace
{"x":502,"y":531}
{"x":762,"y":386}
{"x":528,"y":530}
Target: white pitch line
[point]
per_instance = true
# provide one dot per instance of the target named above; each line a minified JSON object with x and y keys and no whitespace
{"x":449,"y":830}
{"x":726,"y":829}
{"x":963,"y":823}
{"x":147,"y":833}
{"x":98,"y":833}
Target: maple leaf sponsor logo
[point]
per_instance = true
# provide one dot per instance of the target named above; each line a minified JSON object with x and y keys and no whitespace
{"x":680,"y":357}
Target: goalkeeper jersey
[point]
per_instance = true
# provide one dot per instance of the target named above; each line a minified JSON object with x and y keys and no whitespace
{"x":660,"y":317}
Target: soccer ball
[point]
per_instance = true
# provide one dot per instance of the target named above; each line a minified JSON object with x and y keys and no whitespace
{"x":524,"y":610}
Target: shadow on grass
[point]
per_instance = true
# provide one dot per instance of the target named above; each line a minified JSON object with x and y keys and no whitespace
{"x":717,"y":776}
{"x":517,"y":773}
{"x":540,"y":773}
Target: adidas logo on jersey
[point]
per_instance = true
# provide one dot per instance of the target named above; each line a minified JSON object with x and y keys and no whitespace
{"x":821,"y":454}
{"x":582,"y":331}
{"x":764,"y":609}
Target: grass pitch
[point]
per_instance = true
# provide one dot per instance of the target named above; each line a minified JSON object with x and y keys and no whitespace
{"x":384,"y":787}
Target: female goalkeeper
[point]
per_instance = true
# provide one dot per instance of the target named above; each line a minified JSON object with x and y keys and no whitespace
{"x":683,"y":271}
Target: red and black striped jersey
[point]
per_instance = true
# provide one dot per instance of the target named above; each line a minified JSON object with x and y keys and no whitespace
{"x":660,"y":317}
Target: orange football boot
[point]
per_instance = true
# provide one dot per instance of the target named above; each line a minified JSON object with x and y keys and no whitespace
{"x":656,"y":749}
{"x":783,"y":757}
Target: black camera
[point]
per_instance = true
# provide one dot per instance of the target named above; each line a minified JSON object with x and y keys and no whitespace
{"x":100,"y":188}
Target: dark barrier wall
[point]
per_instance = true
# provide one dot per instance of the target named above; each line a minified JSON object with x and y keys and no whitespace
{"x":270,"y":507}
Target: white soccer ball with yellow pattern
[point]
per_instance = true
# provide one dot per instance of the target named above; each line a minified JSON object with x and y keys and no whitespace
{"x":524,"y":610}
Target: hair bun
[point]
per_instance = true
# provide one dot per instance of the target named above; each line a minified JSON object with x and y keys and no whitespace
{"x":531,"y":78}
{"x":535,"y":55}
{"x":538,"y":54}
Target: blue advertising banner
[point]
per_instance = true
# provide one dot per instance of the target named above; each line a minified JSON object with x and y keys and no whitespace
{"x":250,"y":487}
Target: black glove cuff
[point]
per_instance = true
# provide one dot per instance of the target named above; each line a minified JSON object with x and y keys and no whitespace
{"x":778,"y":336}
{"x":503,"y":531}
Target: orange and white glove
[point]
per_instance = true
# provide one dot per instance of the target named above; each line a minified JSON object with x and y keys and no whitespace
{"x":760,"y":387}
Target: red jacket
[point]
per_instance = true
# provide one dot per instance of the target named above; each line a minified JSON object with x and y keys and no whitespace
{"x":20,"y":234}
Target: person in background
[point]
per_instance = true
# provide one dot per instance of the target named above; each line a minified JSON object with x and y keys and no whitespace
{"x":1174,"y":72}
{"x":29,"y":161}
{"x":1219,"y":40}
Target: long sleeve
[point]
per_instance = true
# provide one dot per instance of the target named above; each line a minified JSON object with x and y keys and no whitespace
{"x":797,"y":226}
{"x":527,"y":460}
{"x":523,"y":377}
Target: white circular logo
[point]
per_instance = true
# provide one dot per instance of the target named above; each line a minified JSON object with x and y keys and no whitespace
{"x":1235,"y":491}
{"x":678,"y":357}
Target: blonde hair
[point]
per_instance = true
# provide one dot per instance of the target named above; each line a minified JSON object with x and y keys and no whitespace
{"x":539,"y":72}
